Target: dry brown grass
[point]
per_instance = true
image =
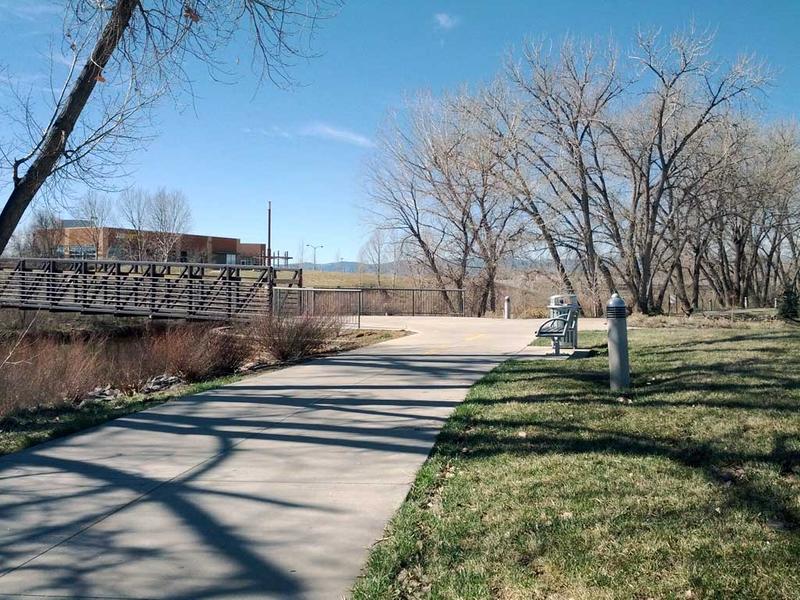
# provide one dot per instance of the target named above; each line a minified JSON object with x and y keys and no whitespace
{"x":353,"y":280}
{"x":288,"y":338}
{"x":46,"y":371}
{"x":196,"y":352}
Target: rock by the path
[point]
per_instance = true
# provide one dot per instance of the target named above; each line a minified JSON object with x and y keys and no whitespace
{"x":160,"y":383}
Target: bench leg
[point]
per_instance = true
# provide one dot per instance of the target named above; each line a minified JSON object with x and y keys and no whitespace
{"x":557,"y":346}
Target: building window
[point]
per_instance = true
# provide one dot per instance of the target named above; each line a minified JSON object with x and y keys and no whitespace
{"x":82,"y":252}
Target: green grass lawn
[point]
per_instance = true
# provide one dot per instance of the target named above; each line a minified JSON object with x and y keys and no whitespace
{"x":545,"y":485}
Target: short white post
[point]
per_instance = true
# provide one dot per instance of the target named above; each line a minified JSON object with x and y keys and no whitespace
{"x":618,"y":366}
{"x":507,"y":308}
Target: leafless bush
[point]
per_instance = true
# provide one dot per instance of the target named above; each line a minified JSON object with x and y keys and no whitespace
{"x":197,"y":352}
{"x":286,"y":338}
{"x":45,"y":371}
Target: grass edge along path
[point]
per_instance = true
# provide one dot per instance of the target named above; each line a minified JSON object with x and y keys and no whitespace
{"x":543,"y":484}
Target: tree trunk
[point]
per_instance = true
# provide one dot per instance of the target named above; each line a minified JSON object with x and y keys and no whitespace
{"x":552,"y":249}
{"x":55,"y":138}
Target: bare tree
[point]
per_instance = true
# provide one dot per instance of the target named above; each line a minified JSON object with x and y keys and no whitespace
{"x":46,"y":234}
{"x":125,"y":56}
{"x":436,"y":181}
{"x":689,"y":94}
{"x":98,"y":211}
{"x":649,"y":175}
{"x":168,"y":218}
{"x":563,"y":97}
{"x":416,"y":189}
{"x":156,"y":221}
{"x":373,"y":252}
{"x":134,"y":207}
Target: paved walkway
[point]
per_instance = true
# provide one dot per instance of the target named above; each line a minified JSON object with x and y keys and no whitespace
{"x":273,"y":487}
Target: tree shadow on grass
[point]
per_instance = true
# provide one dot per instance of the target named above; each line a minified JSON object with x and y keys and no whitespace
{"x":759,"y":387}
{"x":476,"y":440}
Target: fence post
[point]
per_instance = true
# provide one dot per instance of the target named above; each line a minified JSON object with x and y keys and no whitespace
{"x":413,"y":302}
{"x":360,"y":293}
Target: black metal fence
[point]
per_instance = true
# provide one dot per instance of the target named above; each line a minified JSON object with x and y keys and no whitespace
{"x":351,"y":304}
{"x":412,"y":302}
{"x":343,"y":305}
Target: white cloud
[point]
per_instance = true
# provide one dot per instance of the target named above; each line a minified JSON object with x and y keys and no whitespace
{"x":273,"y":131}
{"x":445,"y":21}
{"x":313,"y":130}
{"x":336,"y":134}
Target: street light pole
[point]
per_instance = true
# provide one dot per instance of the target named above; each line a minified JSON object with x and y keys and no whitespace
{"x":268,"y":262}
{"x":314,"y":248}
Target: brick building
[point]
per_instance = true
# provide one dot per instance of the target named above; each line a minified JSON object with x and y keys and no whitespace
{"x":80,"y":240}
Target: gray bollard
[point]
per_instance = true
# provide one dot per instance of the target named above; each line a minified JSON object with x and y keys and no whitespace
{"x":507,"y":308}
{"x":618,"y":367}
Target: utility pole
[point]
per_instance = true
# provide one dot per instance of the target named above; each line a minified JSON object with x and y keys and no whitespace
{"x":269,"y":234}
{"x":314,"y":248}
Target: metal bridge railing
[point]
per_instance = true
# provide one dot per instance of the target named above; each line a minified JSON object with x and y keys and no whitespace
{"x":120,"y":295}
{"x":158,"y":290}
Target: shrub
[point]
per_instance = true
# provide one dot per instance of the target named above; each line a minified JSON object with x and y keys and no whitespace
{"x":197,"y":352}
{"x":287,"y":338}
{"x":788,"y":303}
{"x":46,"y":371}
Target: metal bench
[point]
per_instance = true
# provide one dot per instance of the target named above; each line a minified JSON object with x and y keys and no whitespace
{"x":561,"y":329}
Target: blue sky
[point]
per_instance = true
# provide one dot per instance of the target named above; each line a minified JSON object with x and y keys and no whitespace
{"x":304,"y":148}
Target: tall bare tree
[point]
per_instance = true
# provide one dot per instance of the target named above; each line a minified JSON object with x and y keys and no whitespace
{"x":125,"y":56}
{"x":134,"y":207}
{"x":156,"y":220}
{"x":373,"y":252}
{"x":168,"y":218}
{"x":98,"y":211}
{"x":650,"y":175}
{"x":688,"y":94}
{"x":46,"y":234}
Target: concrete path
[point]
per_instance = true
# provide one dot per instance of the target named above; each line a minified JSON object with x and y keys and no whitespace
{"x":273,"y":487}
